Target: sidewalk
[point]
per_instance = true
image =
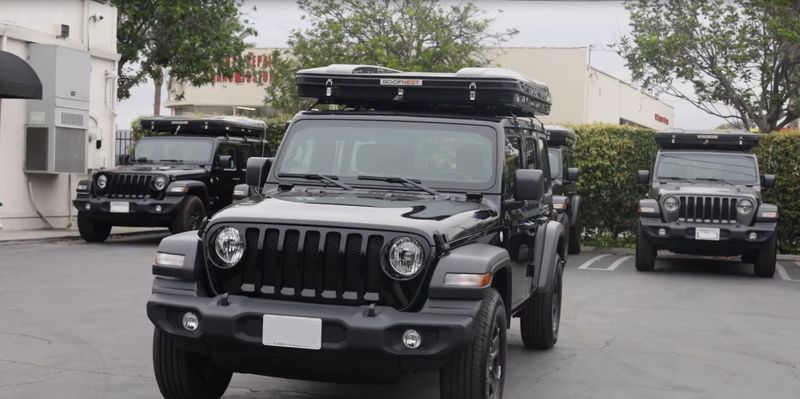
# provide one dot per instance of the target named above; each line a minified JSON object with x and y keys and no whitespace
{"x":632,"y":251}
{"x":43,"y":235}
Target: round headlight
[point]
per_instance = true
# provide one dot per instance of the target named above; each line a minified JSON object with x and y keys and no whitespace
{"x":671,"y":204}
{"x":745,"y":206}
{"x":102,"y":181}
{"x":229,"y":246}
{"x":159,"y":183}
{"x":406,"y":257}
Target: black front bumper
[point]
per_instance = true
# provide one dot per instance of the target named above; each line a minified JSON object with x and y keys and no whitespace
{"x":733,"y":240}
{"x":356,"y":346}
{"x":142,"y":211}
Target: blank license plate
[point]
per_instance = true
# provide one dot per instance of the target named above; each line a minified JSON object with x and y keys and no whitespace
{"x":120,"y":207}
{"x":292,"y":332}
{"x":707,"y":234}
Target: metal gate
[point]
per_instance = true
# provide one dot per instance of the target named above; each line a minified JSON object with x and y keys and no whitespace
{"x":124,"y":142}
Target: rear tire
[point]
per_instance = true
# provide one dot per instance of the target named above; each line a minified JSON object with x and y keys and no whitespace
{"x":766,"y":258}
{"x":181,"y":374}
{"x":92,"y":230}
{"x":645,"y":252}
{"x":540,"y":319}
{"x":478,"y":370}
{"x":190,"y":214}
{"x":575,"y":235}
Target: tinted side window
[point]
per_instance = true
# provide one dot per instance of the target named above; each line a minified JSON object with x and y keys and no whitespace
{"x":228,"y":149}
{"x":530,"y":153}
{"x":245,"y":152}
{"x":545,"y":165}
{"x":513,"y":161}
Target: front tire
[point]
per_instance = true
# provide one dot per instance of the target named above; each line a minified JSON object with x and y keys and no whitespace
{"x":189,"y":216}
{"x":181,"y":374}
{"x":477,"y":371}
{"x":766,"y":258}
{"x":540,"y":319}
{"x":645,"y":252}
{"x":92,"y":230}
{"x":575,"y":235}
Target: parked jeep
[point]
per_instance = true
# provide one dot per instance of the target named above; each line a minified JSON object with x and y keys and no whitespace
{"x":184,"y":171}
{"x":388,"y":238}
{"x":566,"y":200}
{"x":705,"y":199}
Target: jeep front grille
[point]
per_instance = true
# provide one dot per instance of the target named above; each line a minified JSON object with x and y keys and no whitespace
{"x":128,"y":186}
{"x":703,"y":209}
{"x":318,"y":265}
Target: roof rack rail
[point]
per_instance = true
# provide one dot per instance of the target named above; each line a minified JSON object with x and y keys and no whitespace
{"x":484,"y":90}
{"x":207,"y":125}
{"x":706,"y":139}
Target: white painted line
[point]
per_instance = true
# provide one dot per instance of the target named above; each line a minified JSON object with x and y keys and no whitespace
{"x":782,"y":272}
{"x":589,"y":262}
{"x":617,"y":263}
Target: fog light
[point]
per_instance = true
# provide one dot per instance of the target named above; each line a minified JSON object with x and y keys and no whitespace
{"x":753,"y":236}
{"x":158,"y":208}
{"x":662,"y":232}
{"x":190,"y":321}
{"x":412,"y":339}
{"x":87,"y":206}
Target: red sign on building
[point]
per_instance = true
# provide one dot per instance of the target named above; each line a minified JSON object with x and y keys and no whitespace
{"x":256,"y":71}
{"x":662,"y":119}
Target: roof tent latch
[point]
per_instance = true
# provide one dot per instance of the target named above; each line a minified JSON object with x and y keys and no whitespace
{"x":472,"y":87}
{"x":329,"y":87}
{"x":740,"y":140}
{"x":673,"y":139}
{"x":400,"y":93}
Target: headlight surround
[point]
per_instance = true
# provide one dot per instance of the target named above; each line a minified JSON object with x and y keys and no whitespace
{"x":405,"y":257}
{"x":671,"y":204}
{"x":229,"y":247}
{"x":102,"y":182}
{"x":159,"y":183}
{"x":745,"y":206}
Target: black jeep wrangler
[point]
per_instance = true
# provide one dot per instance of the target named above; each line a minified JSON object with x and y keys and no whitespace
{"x":705,"y":199}
{"x":399,"y":234}
{"x":566,"y":200}
{"x":185,"y":170}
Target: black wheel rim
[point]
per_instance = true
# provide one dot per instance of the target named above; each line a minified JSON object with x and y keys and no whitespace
{"x":195,"y":217}
{"x":494,"y":364}
{"x":556,"y":306}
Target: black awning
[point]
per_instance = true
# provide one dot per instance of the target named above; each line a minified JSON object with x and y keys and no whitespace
{"x":17,"y":78}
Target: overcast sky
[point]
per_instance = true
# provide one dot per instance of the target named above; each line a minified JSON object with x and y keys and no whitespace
{"x":540,"y":23}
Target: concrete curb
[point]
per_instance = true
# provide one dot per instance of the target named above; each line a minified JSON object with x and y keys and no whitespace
{"x":632,"y":251}
{"x":72,"y":237}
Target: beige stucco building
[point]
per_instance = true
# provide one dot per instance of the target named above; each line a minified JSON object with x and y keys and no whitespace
{"x":581,"y":93}
{"x":81,"y":38}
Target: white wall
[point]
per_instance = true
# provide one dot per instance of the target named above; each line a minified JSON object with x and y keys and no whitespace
{"x":23,"y":22}
{"x":611,"y":100}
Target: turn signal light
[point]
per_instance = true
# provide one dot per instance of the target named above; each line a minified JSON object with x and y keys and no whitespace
{"x":468,"y":280}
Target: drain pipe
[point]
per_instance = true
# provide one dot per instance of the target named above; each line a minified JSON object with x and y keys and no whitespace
{"x":35,"y":206}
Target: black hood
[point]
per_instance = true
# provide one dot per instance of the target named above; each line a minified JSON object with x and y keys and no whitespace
{"x":374,"y":210}
{"x":174,"y":170}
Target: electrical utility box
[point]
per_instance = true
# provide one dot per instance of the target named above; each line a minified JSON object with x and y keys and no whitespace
{"x":57,"y":125}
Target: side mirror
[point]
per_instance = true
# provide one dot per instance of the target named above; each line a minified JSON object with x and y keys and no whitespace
{"x":768,"y":181}
{"x":257,"y":170}
{"x":643,"y":176}
{"x":529,"y":185}
{"x":223,"y":161}
{"x":572,"y":174}
{"x":241,"y":191}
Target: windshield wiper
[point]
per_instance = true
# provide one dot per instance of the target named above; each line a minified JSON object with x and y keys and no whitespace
{"x":674,"y":178}
{"x":317,"y":177}
{"x":141,"y":160}
{"x":401,"y":180}
{"x":714,"y":179}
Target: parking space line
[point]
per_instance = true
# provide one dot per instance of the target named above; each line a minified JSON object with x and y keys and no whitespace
{"x":617,"y":263}
{"x":782,"y":272}
{"x":589,"y":262}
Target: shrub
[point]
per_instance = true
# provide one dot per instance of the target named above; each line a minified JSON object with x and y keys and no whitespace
{"x":779,"y":154}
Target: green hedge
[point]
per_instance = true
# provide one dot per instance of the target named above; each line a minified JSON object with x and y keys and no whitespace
{"x":609,"y":157}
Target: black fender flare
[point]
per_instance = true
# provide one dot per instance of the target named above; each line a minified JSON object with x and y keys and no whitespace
{"x":550,"y":245}
{"x":181,"y":188}
{"x":472,"y":259}
{"x":188,"y":245}
{"x":574,"y":210}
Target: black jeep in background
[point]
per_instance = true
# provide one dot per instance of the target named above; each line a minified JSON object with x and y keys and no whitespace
{"x":400,"y":234}
{"x":566,"y":200}
{"x":705,"y":199}
{"x":185,"y":170}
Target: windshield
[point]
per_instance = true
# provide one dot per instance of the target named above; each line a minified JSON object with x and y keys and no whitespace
{"x":555,"y":162}
{"x":186,"y":150}
{"x":733,"y":168}
{"x":436,"y":154}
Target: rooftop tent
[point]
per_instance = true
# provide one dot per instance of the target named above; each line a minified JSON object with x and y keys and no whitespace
{"x":706,"y":139}
{"x":17,"y":78}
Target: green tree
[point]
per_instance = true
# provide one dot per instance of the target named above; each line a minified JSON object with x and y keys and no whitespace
{"x":738,"y":60}
{"x":410,"y":35}
{"x":191,"y":40}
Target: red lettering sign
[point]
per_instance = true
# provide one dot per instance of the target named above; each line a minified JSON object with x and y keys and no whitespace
{"x":662,"y":119}
{"x":256,"y":71}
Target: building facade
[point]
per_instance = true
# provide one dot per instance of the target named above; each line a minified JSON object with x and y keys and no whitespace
{"x":77,"y":125}
{"x":581,"y":93}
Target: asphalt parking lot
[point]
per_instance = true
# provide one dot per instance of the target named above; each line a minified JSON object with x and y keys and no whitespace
{"x":73,"y":325}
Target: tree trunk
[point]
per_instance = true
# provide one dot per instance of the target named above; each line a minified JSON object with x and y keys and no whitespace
{"x":158,"y":80}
